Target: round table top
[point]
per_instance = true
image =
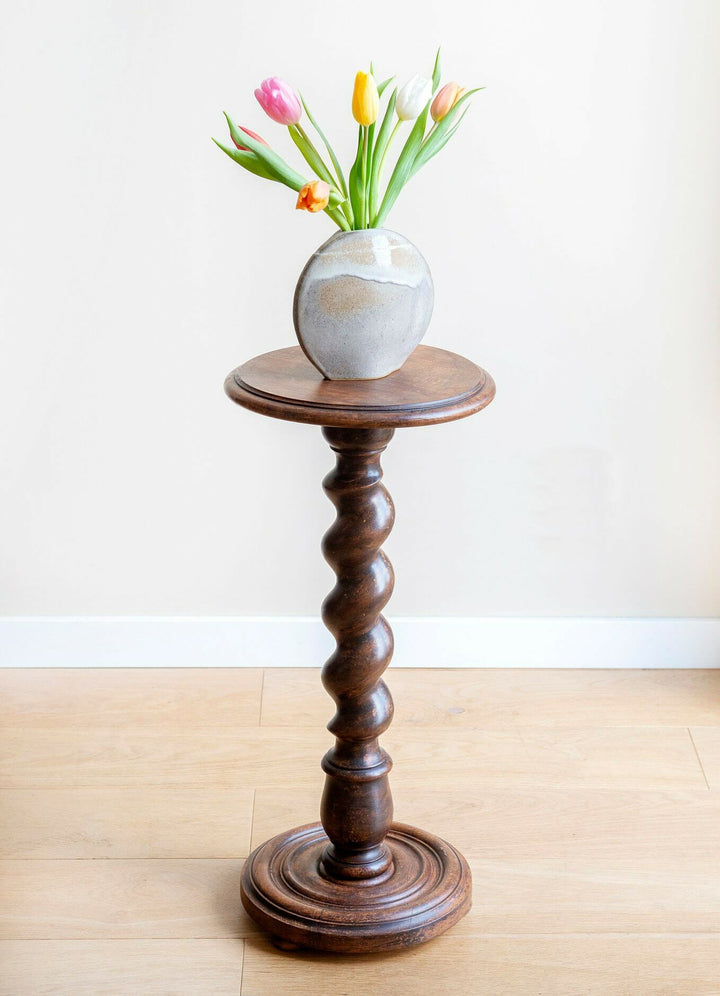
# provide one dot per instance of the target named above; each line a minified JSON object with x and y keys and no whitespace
{"x":434,"y":385}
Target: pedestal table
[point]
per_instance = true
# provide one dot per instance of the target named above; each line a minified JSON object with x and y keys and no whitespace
{"x":356,"y":881}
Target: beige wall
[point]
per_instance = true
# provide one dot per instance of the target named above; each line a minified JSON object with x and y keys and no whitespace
{"x":572,"y":230}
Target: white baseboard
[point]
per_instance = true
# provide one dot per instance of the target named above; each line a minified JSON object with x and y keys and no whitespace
{"x":297,"y":641}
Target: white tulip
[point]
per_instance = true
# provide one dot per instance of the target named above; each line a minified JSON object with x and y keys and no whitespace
{"x":412,"y":98}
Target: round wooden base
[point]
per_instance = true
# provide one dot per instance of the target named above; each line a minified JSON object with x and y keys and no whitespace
{"x":428,"y":890}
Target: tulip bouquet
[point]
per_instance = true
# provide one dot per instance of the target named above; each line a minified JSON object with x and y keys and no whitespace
{"x":360,"y":201}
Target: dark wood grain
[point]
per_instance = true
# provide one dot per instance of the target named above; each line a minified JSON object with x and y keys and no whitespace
{"x":356,"y":881}
{"x":429,"y":891}
{"x":434,"y":385}
{"x":357,"y":808}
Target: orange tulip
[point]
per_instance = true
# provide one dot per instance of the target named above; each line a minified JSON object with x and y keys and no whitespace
{"x":314,"y":196}
{"x":445,"y":99}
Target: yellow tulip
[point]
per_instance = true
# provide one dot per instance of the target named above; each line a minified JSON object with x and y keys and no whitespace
{"x":365,"y":101}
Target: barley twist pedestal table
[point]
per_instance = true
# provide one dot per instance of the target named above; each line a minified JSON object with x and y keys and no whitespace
{"x":357,"y":881}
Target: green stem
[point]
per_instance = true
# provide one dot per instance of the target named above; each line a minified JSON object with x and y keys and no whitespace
{"x":336,"y":165}
{"x":424,"y":141}
{"x":315,"y":160}
{"x":346,"y":208}
{"x":369,"y":173}
{"x":339,"y":218}
{"x":385,"y":150}
{"x":363,"y":213}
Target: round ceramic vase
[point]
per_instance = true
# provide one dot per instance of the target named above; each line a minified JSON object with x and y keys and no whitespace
{"x":362,"y":304}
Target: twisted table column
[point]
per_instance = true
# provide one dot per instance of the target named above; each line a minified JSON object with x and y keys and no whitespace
{"x":356,"y":881}
{"x":356,"y":809}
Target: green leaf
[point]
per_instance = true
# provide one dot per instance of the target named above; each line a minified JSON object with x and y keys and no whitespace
{"x":254,"y":165}
{"x":339,"y":218}
{"x":355,"y":182}
{"x":383,"y":86}
{"x":379,"y":152}
{"x":425,"y":155}
{"x":403,"y":167}
{"x":274,"y":163}
{"x":436,"y":72}
{"x":336,"y":198}
{"x":443,"y":131}
{"x":311,"y":156}
{"x":247,"y":160}
{"x":331,"y":153}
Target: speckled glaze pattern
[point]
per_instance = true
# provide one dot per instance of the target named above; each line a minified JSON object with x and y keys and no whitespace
{"x":362,"y":304}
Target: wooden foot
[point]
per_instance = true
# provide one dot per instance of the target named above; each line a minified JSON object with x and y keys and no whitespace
{"x":282,"y":945}
{"x":427,"y":890}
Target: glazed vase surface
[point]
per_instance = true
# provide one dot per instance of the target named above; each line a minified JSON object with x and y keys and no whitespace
{"x":362,"y":304}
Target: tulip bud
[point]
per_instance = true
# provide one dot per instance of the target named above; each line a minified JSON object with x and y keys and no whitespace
{"x":365,"y":101}
{"x":313,"y":197}
{"x":412,"y":98}
{"x":258,"y":138}
{"x":279,"y":101}
{"x":445,"y":99}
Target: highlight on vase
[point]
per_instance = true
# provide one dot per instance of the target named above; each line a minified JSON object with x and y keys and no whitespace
{"x":364,"y":199}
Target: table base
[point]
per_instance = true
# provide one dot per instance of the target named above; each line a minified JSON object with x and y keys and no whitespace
{"x":284,"y":889}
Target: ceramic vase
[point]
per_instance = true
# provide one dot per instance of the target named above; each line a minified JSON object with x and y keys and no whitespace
{"x":362,"y":304}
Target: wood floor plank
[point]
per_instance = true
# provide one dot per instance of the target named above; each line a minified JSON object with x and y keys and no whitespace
{"x":642,"y":759}
{"x":206,"y":967}
{"x":578,"y":797}
{"x":663,"y":828}
{"x":502,"y":698}
{"x":130,"y":757}
{"x":498,"y":966}
{"x":590,"y":861}
{"x":707,"y":743}
{"x":646,"y":758}
{"x":125,"y":822}
{"x":151,"y":898}
{"x":156,"y":698}
{"x":603,"y":896}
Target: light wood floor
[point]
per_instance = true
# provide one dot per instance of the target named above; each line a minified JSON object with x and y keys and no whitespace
{"x":587,"y":802}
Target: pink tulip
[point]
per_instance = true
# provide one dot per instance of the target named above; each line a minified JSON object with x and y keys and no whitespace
{"x":279,"y":101}
{"x":258,"y":138}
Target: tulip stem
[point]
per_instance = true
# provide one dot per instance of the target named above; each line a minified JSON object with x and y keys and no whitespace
{"x":369,"y":173}
{"x":363,"y":217}
{"x":316,"y":162}
{"x":339,"y":218}
{"x":313,"y":158}
{"x":424,"y":141}
{"x":385,"y":150}
{"x":336,"y":165}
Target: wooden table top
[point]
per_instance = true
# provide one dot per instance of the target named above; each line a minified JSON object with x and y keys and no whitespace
{"x":434,"y":385}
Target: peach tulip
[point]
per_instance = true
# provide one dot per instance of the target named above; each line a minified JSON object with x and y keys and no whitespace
{"x":445,"y":99}
{"x":314,"y":196}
